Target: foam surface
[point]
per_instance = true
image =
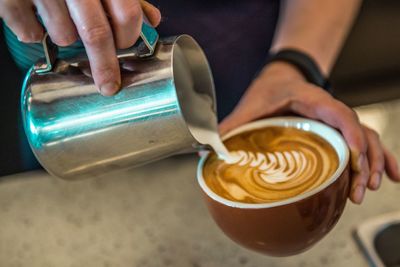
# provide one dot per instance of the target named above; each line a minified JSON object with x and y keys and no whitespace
{"x":271,"y":164}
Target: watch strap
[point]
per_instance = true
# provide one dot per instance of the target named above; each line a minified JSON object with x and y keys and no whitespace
{"x":305,"y":64}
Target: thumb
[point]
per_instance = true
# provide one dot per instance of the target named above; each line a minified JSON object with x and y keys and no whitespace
{"x":152,"y":13}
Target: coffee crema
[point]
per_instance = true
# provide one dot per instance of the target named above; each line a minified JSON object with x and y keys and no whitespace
{"x":271,"y":164}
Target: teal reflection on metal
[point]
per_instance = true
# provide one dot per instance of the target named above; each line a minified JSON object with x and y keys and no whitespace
{"x":95,"y":113}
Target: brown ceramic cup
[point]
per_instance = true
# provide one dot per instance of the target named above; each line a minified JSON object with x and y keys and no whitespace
{"x":289,"y":226}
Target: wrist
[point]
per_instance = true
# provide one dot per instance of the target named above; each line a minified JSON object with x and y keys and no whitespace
{"x":282,"y":69}
{"x":305,"y":64}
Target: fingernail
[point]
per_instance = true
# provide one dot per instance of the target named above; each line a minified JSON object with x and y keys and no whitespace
{"x":375,"y":180}
{"x":31,"y":38}
{"x":22,"y":38}
{"x":67,"y":39}
{"x":36,"y":38}
{"x":358,"y":194}
{"x":109,"y":88}
{"x":71,"y":38}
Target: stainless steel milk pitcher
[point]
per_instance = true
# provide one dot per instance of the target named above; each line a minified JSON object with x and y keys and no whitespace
{"x":167,"y":88}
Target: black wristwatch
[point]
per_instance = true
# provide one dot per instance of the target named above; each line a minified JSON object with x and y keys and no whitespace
{"x":305,"y":64}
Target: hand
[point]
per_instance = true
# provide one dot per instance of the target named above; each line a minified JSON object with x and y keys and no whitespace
{"x":102,"y":26}
{"x":280,"y":88}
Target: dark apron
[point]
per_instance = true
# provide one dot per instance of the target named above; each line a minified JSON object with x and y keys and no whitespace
{"x":235,"y":35}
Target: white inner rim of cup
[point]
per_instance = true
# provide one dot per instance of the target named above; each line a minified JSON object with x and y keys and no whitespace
{"x":327,"y":133}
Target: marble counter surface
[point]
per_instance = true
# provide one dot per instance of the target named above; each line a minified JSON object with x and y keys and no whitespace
{"x":154,"y":216}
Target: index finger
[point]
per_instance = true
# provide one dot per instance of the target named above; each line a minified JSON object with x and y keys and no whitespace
{"x":95,"y":31}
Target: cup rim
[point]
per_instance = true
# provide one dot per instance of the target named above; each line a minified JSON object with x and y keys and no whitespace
{"x":294,"y":122}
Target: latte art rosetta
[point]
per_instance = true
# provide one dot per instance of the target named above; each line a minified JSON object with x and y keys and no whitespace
{"x":271,"y":164}
{"x":275,"y":167}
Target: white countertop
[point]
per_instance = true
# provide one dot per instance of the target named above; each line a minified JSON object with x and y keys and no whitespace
{"x":155,"y":216}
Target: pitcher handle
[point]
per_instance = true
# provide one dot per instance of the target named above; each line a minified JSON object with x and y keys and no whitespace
{"x":145,"y":48}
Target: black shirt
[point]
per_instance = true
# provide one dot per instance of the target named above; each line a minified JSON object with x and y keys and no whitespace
{"x":235,"y":35}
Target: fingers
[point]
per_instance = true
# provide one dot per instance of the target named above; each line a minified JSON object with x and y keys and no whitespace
{"x":380,"y":160}
{"x":58,"y":23}
{"x":376,"y":159}
{"x":359,"y":181}
{"x":126,"y":19}
{"x":346,"y":120}
{"x":320,"y":105}
{"x":391,"y":166}
{"x":152,"y":13}
{"x":21,"y":19}
{"x":95,"y":32}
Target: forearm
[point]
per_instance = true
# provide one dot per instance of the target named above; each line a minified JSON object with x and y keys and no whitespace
{"x":317,"y":27}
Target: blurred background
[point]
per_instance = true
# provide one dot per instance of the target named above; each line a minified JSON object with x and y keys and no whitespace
{"x":368,"y":71}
